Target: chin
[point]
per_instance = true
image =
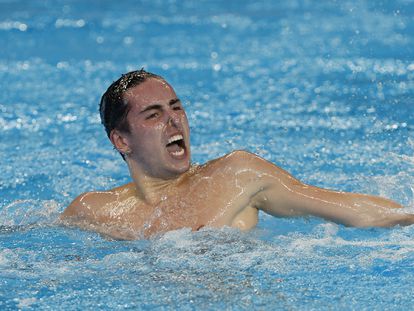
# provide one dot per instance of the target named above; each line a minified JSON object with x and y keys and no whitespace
{"x":179,"y":164}
{"x":182,"y":168}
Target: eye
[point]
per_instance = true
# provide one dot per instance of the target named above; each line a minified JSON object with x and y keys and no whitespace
{"x":153,"y":116}
{"x":176,"y":107}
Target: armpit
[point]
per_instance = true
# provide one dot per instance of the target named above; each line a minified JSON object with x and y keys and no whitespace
{"x":246,"y":219}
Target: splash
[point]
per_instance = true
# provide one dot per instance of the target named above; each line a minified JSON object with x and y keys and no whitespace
{"x":401,"y":185}
{"x":26,"y":213}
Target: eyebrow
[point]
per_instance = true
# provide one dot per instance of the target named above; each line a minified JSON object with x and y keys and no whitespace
{"x":157,"y":106}
{"x":175,"y":100}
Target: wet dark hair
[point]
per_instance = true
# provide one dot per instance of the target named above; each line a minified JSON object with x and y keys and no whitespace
{"x":113,"y":108}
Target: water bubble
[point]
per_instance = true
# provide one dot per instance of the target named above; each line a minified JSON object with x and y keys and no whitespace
{"x":80,"y":23}
{"x":128,"y":40}
{"x":62,"y":65}
{"x":22,"y":27}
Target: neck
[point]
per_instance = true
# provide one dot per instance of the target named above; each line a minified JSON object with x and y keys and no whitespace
{"x":150,"y":189}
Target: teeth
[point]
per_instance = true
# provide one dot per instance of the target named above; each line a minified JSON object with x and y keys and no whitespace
{"x":174,"y":138}
{"x":178,"y":153}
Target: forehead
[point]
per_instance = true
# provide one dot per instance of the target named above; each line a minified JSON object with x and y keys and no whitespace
{"x":151,"y":91}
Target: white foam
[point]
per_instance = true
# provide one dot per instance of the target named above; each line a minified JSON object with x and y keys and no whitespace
{"x":25,"y":302}
{"x":27,"y":212}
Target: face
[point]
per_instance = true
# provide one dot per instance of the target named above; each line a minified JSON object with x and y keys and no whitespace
{"x":159,"y":138}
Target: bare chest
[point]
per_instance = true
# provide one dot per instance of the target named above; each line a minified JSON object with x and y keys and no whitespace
{"x":212,"y":196}
{"x":195,"y":206}
{"x":200,"y":202}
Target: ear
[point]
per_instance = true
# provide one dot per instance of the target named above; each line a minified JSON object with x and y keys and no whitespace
{"x":120,"y":141}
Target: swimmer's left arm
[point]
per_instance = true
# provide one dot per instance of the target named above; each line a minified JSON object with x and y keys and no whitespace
{"x":280,"y":194}
{"x":351,"y":209}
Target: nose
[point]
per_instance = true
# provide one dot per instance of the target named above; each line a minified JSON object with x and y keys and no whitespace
{"x":170,"y":120}
{"x":173,"y":118}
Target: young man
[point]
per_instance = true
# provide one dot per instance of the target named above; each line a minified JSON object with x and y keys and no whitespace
{"x":147,"y":124}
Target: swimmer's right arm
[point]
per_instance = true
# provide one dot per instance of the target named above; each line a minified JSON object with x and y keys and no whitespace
{"x":70,"y":210}
{"x":75,"y":209}
{"x":81,"y":213}
{"x":83,"y":209}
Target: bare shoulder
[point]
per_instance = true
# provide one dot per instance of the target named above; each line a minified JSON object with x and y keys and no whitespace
{"x":235,"y":158}
{"x":239,"y":161}
{"x":235,"y":169}
{"x":86,"y":205}
{"x":247,"y":168}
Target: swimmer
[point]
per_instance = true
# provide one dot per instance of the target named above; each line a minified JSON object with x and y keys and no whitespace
{"x":146,"y":122}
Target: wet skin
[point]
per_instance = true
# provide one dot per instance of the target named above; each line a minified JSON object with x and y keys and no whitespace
{"x":168,"y":193}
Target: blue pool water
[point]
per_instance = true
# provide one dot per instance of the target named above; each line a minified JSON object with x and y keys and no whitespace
{"x":324,"y":89}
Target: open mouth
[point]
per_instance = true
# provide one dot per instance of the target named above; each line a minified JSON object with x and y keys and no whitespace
{"x":176,"y":146}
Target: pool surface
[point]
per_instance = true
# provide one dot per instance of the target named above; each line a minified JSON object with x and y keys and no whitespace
{"x":324,"y":89}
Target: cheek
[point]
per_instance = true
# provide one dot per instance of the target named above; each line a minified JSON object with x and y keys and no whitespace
{"x":149,"y":128}
{"x":187,"y":126}
{"x":152,"y":125}
{"x":159,"y":126}
{"x":184,"y":120}
{"x":147,"y":133}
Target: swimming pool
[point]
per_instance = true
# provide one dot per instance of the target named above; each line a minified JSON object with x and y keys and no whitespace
{"x":324,"y":90}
